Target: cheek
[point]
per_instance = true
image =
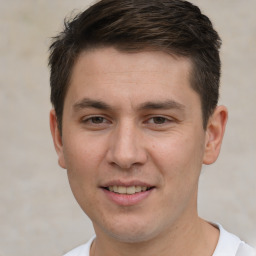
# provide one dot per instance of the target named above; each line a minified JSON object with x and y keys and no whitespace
{"x":179,"y":162}
{"x":82,"y":153}
{"x":178,"y":156}
{"x":82,"y":169}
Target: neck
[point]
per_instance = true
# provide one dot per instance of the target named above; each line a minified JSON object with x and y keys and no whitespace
{"x":194,"y":238}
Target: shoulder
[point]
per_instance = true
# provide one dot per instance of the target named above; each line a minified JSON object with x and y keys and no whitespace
{"x":231,"y":245}
{"x":82,"y":250}
{"x":245,"y":250}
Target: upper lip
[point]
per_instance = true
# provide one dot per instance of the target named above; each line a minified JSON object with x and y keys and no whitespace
{"x":126,"y":183}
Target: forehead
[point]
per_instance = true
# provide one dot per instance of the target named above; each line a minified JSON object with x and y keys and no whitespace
{"x":107,"y":73}
{"x":109,"y":60}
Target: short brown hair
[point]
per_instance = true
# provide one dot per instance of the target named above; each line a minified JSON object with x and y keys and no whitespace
{"x":173,"y":26}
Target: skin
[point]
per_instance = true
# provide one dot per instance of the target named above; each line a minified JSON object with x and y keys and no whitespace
{"x":134,"y":117}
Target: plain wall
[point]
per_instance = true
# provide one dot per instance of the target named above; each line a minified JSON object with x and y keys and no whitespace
{"x":38,"y":214}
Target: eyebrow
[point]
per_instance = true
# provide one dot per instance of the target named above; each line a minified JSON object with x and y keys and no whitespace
{"x":89,"y":103}
{"x":149,"y":105}
{"x":167,"y":104}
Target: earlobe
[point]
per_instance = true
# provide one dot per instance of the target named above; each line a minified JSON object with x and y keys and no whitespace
{"x":214,"y":134}
{"x":57,"y":140}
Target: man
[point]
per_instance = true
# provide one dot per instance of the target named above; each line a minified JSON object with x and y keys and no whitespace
{"x":134,"y":88}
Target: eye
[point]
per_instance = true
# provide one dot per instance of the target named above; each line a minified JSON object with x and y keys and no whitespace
{"x":159,"y":123}
{"x":158,"y":120}
{"x":95,"y":121}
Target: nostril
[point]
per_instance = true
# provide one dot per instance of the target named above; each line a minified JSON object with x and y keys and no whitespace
{"x":124,"y":151}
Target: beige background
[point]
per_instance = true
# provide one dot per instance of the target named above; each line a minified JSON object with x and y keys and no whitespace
{"x":38,"y":215}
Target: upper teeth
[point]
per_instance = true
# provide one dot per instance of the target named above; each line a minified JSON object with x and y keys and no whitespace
{"x":127,"y":190}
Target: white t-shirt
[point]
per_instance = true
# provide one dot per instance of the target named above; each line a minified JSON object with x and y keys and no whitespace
{"x":231,"y":245}
{"x":228,"y":245}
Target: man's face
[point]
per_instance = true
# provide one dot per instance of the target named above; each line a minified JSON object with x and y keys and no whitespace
{"x":131,"y":121}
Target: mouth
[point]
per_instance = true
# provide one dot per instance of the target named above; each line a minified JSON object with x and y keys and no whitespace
{"x":129,"y":193}
{"x":130,"y":190}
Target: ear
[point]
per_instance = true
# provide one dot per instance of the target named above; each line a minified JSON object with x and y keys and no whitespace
{"x":57,"y":140}
{"x":214,"y":134}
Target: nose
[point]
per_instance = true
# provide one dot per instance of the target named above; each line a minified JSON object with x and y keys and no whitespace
{"x":126,"y":147}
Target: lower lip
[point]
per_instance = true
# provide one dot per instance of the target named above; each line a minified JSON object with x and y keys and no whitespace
{"x":127,"y":200}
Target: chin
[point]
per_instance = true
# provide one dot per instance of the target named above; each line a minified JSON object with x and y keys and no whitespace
{"x":132,"y":233}
{"x":132,"y":237}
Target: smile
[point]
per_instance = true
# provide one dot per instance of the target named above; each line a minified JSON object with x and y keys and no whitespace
{"x":128,"y":190}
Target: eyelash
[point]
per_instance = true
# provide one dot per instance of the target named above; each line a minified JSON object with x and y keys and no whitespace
{"x":163,"y":120}
{"x":90,"y":120}
{"x":152,"y":121}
